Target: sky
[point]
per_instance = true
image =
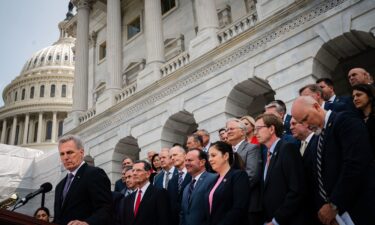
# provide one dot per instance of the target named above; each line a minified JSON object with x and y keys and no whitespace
{"x":26,"y":27}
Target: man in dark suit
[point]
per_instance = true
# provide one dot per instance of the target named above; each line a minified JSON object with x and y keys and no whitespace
{"x":343,"y":179}
{"x":148,"y":205}
{"x":329,"y":94}
{"x":278,"y":108}
{"x":360,"y":76}
{"x":178,"y":182}
{"x":84,"y":195}
{"x":251,"y":156}
{"x":119,"y":184}
{"x":194,"y":195}
{"x":283,"y":178}
{"x":205,"y":139}
{"x":162,"y":179}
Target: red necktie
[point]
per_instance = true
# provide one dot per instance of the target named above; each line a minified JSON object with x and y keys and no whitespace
{"x":137,"y":202}
{"x":268,"y":158}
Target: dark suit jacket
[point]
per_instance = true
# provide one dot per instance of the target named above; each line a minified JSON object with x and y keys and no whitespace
{"x":153,"y":210}
{"x":287,"y":124}
{"x":231,"y":200}
{"x":119,"y":185}
{"x":346,"y":168}
{"x":89,"y":198}
{"x":191,"y":212}
{"x":284,"y":187}
{"x":158,"y":180}
{"x":175,"y":196}
{"x":252,"y":157}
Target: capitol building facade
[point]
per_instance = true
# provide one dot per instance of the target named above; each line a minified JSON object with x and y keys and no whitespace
{"x":149,"y":72}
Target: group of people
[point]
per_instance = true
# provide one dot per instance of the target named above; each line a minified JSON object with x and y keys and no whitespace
{"x":315,"y":166}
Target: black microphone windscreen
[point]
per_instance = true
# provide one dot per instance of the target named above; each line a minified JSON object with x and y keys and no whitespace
{"x":46,"y":187}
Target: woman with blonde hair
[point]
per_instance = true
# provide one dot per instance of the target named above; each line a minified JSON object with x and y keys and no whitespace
{"x":250,"y":124}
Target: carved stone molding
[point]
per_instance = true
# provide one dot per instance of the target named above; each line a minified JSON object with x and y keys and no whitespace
{"x":190,"y":80}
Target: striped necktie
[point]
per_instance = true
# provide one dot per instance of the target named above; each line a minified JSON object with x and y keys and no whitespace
{"x":319,"y":152}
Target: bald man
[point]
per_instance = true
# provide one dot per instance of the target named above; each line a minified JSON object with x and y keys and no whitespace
{"x":343,"y":179}
{"x":359,"y":76}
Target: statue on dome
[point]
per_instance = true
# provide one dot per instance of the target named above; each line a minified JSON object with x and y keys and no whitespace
{"x":69,"y":14}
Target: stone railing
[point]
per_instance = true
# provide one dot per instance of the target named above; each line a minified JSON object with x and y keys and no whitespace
{"x":237,"y":27}
{"x":175,"y":63}
{"x":87,"y":115}
{"x":126,"y":92}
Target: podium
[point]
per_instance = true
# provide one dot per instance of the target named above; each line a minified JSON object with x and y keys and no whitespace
{"x":15,"y":218}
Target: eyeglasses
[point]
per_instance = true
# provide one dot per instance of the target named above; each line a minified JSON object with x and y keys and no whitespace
{"x":257,"y":128}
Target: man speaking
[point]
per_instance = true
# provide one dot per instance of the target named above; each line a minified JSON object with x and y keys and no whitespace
{"x":83,"y":197}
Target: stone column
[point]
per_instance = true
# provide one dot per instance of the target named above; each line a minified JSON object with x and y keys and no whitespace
{"x":40,"y":126}
{"x":208,"y":24}
{"x":154,"y":44}
{"x":26,"y":129}
{"x":13,"y":134}
{"x":3,"y":133}
{"x":80,"y":89}
{"x":54,"y":127}
{"x":114,"y":59}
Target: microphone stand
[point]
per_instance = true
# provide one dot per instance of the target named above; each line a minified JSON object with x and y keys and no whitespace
{"x":43,"y":197}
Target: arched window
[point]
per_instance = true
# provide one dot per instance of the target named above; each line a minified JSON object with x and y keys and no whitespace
{"x":66,"y":57}
{"x":32,"y":89}
{"x":61,"y":124}
{"x":63,"y":90}
{"x":23,"y":94}
{"x":49,"y":130}
{"x":53,"y":87}
{"x":41,"y":91}
{"x":15,"y":96}
{"x":58,"y":57}
{"x":35,"y":131}
{"x":17,"y":134}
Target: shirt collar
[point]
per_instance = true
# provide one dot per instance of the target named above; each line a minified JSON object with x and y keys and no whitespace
{"x":144,"y":188}
{"x":238,"y":145}
{"x":198,"y":176}
{"x":74,"y":172}
{"x":328,"y":114}
{"x":272,"y":148}
{"x":332,"y":99}
{"x":309,"y":137}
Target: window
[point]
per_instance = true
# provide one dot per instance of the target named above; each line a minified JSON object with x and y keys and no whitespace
{"x":32,"y":89}
{"x":102,"y":51}
{"x":23,"y":94}
{"x":167,"y":5}
{"x":58,"y":57}
{"x":35,"y":131}
{"x":134,"y":27}
{"x":41,"y":94}
{"x":60,"y":132}
{"x":49,"y":130}
{"x":52,"y":94}
{"x":15,"y":96}
{"x":42,"y":59}
{"x":66,"y":58}
{"x":49,"y":57}
{"x":63,"y":90}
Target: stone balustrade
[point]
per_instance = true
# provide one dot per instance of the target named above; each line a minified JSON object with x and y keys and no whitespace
{"x":126,"y":92}
{"x":87,"y":115}
{"x":175,"y":63}
{"x":237,"y":28}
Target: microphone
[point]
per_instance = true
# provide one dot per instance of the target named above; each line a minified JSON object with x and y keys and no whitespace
{"x":44,"y":188}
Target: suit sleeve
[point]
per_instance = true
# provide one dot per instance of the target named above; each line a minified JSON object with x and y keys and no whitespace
{"x":100,"y":196}
{"x":356,"y":155}
{"x":253,"y":164}
{"x":241,"y":193}
{"x":293,"y":170}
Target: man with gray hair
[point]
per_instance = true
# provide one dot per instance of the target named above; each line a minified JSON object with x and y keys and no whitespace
{"x":84,"y":196}
{"x":251,"y":156}
{"x":205,"y":138}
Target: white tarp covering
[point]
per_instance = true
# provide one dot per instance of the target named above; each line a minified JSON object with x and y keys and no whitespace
{"x":16,"y":167}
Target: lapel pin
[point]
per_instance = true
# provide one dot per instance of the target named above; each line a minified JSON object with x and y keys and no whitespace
{"x":225,"y":180}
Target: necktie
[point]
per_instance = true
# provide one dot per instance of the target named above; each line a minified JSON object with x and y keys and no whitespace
{"x":319,"y":151}
{"x":191,"y":189}
{"x":303,"y":147}
{"x":137,"y":202}
{"x":269,"y":154}
{"x":166,"y":180}
{"x":67,"y":184}
{"x":180,"y":180}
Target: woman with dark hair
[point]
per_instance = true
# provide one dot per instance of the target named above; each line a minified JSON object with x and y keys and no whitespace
{"x":364,"y":100}
{"x":156,"y":167}
{"x":42,"y":213}
{"x":228,"y":199}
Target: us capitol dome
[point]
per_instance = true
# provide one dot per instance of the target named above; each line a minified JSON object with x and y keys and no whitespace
{"x":37,"y":101}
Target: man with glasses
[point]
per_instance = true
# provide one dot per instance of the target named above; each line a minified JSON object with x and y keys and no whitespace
{"x":252,"y":158}
{"x":148,"y":204}
{"x":283,"y":178}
